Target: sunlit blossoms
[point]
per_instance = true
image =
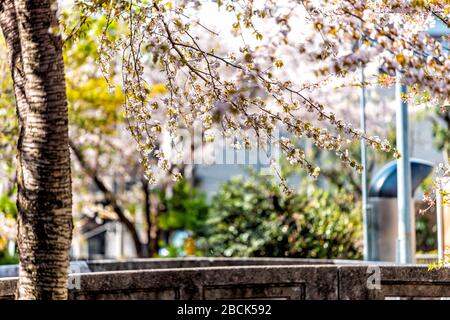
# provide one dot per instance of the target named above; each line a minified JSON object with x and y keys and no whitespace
{"x":246,"y":84}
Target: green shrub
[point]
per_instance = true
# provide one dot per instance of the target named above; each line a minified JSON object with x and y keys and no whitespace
{"x":184,"y":209}
{"x":5,"y":258}
{"x":253,"y":217}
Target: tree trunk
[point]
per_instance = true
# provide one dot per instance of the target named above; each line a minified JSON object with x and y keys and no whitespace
{"x":147,"y":214}
{"x":44,"y":197}
{"x":155,"y":231}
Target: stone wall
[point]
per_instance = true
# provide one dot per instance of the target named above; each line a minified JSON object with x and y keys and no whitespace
{"x":300,"y":281}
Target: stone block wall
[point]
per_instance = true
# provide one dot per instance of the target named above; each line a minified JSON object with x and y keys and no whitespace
{"x":271,"y":279}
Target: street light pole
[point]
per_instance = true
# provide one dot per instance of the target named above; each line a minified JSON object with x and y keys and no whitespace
{"x":362,"y":108}
{"x":439,"y":222}
{"x":406,"y":230}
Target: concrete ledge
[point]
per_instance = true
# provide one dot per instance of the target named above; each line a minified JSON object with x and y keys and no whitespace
{"x":212,"y":283}
{"x":7,"y":288}
{"x":12,"y":270}
{"x":396,"y":282}
{"x":296,"y":281}
{"x":281,"y":282}
{"x":198,"y":262}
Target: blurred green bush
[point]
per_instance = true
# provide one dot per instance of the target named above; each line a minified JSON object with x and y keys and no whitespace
{"x":5,"y":258}
{"x":253,"y":217}
{"x":184,"y":209}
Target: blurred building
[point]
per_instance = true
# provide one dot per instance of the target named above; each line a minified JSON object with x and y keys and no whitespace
{"x":101,"y":239}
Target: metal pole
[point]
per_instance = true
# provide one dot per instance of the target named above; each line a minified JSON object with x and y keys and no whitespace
{"x":362,"y":108}
{"x":439,"y":223}
{"x":405,"y":241}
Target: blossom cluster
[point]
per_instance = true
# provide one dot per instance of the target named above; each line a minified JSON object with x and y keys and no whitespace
{"x":244,"y":86}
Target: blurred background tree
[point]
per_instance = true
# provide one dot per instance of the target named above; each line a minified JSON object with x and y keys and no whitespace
{"x":8,"y":136}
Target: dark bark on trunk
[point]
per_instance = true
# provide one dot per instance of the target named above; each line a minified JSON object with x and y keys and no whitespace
{"x":147,"y":214}
{"x":155,"y":231}
{"x":44,"y":198}
{"x":151,"y":217}
{"x":110,"y":198}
